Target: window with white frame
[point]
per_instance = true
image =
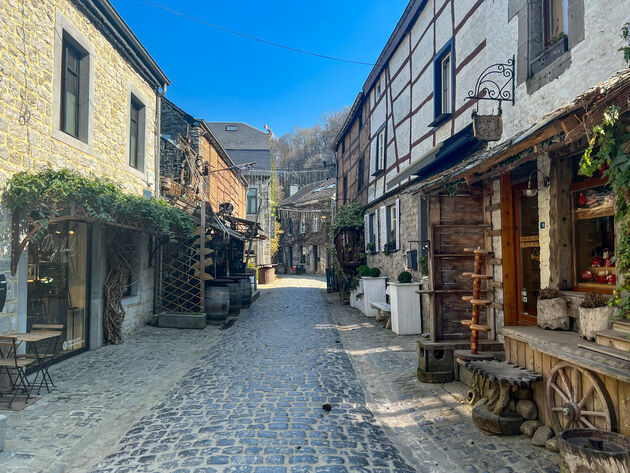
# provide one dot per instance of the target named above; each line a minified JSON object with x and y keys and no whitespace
{"x":315,"y":223}
{"x":446,"y":83}
{"x":392,"y":220}
{"x":443,"y":85}
{"x":381,"y":148}
{"x":303,"y":224}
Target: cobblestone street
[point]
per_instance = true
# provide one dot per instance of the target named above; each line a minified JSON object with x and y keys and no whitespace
{"x":249,"y":399}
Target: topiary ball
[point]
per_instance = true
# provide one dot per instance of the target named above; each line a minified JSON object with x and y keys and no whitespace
{"x":363,"y":270}
{"x":375,"y":272}
{"x":404,"y":277}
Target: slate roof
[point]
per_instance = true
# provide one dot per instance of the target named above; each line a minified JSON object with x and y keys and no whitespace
{"x":316,"y":192}
{"x":244,"y":145}
{"x":245,"y":137}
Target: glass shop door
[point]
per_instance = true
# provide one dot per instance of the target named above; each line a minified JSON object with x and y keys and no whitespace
{"x":527,"y":247}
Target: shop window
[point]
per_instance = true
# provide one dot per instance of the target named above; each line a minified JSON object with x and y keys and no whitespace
{"x":593,"y":235}
{"x":57,"y":284}
{"x":252,"y":200}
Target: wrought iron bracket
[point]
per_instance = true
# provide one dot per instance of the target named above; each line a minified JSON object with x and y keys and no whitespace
{"x":496,"y":83}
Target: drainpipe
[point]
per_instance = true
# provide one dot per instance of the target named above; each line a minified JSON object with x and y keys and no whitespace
{"x":157,"y":281}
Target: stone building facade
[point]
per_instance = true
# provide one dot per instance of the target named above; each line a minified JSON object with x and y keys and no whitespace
{"x":305,"y":219}
{"x":114,"y":74}
{"x":226,"y":184}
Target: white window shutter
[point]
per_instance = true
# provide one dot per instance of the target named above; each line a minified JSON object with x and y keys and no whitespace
{"x":376,"y":238}
{"x":398,"y":224}
{"x":383,"y":222}
{"x":366,"y":230}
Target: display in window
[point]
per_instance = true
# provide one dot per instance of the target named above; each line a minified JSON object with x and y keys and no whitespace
{"x":594,"y":238}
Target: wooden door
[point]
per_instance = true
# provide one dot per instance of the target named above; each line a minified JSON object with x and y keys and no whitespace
{"x":456,"y":223}
{"x":527,"y":257}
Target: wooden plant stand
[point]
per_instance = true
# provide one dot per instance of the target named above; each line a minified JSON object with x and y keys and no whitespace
{"x":475,"y":299}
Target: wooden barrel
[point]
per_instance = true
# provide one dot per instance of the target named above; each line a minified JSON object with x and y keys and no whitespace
{"x":236,"y":297}
{"x":246,"y":291}
{"x":217,"y":304}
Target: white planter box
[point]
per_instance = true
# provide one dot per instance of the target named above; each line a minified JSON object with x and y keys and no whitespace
{"x":357,"y":299}
{"x":373,"y":291}
{"x":405,"y":304}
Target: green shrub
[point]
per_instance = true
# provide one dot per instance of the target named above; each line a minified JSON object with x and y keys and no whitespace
{"x":363,"y":270}
{"x":405,"y":277}
{"x":375,"y":272}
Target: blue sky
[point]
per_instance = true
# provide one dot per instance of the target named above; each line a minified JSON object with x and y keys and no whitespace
{"x":222,"y":77}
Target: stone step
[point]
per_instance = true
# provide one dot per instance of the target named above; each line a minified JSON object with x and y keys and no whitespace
{"x":614,"y":339}
{"x":621,"y":326}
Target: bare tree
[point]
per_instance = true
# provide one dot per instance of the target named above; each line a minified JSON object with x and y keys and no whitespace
{"x":304,"y":148}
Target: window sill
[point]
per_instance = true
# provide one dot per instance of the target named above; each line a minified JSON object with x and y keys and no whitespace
{"x":76,"y":143}
{"x":550,"y":55}
{"x":378,"y":172}
{"x":440,"y":119}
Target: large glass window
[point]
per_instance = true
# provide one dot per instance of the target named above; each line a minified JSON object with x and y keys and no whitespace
{"x":57,"y":283}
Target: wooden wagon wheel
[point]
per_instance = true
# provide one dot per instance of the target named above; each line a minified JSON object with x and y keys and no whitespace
{"x":576,"y":398}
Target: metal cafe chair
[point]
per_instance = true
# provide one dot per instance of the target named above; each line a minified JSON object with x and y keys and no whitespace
{"x":46,"y":358}
{"x":11,"y":362}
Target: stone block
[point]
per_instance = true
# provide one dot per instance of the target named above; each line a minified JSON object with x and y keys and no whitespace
{"x":182,"y":320}
{"x":527,"y":409}
{"x":529,"y":427}
{"x":543,"y":433}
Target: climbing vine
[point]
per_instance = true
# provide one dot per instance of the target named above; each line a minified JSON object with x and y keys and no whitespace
{"x":44,"y":192}
{"x":609,"y":149}
{"x":348,"y":216}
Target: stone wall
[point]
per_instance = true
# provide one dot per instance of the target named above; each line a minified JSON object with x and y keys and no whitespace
{"x":392,"y":264}
{"x":29,"y":140}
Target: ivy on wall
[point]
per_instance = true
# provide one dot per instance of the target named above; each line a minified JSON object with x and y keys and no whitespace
{"x":609,"y":149}
{"x":46,"y":191}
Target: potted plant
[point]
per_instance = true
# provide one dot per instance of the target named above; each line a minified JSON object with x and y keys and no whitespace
{"x":405,"y":305}
{"x":552,"y":310}
{"x":594,"y":314}
{"x":363,"y":270}
{"x":389,"y":247}
{"x":370,"y":248}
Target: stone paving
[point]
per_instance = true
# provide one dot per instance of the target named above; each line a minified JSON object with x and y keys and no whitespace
{"x":431,"y":422}
{"x":250,"y":399}
{"x":255,"y":402}
{"x":98,"y":395}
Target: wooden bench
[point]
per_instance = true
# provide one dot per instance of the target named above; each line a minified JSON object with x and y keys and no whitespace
{"x":384,"y":312}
